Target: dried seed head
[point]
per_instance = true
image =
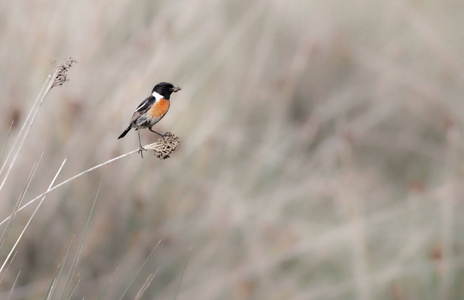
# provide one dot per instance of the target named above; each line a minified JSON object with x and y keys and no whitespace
{"x":61,"y":78}
{"x":164,"y":146}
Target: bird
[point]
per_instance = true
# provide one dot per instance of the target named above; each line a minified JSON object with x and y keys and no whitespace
{"x":151,"y":110}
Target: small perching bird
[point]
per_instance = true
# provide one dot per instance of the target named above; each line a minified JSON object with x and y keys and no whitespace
{"x":151,"y":110}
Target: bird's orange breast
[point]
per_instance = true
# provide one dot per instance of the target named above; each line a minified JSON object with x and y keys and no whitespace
{"x":159,"y":109}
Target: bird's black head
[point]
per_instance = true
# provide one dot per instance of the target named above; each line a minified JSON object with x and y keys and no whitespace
{"x":165,"y":89}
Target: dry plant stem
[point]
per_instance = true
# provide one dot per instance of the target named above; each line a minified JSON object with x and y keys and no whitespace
{"x":30,"y":219}
{"x":104,"y":292}
{"x":27,"y":125}
{"x":69,"y":180}
{"x":145,"y":285}
{"x":57,"y":78}
{"x":159,"y":148}
{"x":7,"y":268}
{"x":6,"y":142}
{"x":73,"y":287}
{"x":140,"y":269}
{"x":17,"y":206}
{"x":72,"y":269}
{"x":182,"y":274}
{"x":53,"y":286}
{"x":13,"y":286}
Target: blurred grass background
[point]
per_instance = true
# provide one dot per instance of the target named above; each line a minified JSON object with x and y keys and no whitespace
{"x":320,"y":158}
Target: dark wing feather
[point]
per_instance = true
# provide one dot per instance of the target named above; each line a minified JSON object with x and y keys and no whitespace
{"x":143,"y":108}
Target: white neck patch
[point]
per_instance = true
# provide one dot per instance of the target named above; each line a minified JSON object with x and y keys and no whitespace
{"x":157,"y":96}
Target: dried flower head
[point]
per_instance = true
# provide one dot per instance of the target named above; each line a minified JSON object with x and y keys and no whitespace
{"x":61,"y":78}
{"x":165,"y":145}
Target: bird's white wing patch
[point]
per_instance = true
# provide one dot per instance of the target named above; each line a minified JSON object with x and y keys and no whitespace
{"x":144,"y":105}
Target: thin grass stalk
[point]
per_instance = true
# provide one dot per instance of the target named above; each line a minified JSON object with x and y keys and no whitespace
{"x":52,"y":289}
{"x":145,"y":285}
{"x":81,"y":243}
{"x":73,"y":287}
{"x":26,"y":121}
{"x":105,"y":290}
{"x":7,"y":268}
{"x":16,"y":208}
{"x":28,"y":124}
{"x":138,"y":271}
{"x":182,"y":274}
{"x":6,"y":141}
{"x":13,"y":286}
{"x":32,"y":216}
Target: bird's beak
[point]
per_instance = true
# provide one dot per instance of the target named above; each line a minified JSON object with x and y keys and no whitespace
{"x":176,"y":89}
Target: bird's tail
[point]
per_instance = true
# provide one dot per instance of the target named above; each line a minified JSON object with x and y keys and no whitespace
{"x":125,"y":132}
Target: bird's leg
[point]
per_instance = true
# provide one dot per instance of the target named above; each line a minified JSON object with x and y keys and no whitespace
{"x":141,"y":149}
{"x":161,"y":135}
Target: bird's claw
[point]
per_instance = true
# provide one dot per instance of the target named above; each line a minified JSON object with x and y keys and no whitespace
{"x":141,"y":149}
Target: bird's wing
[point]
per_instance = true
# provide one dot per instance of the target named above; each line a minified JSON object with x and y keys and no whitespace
{"x":143,"y":108}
